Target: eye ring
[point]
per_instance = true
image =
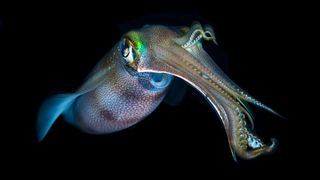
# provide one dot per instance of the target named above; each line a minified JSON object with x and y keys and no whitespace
{"x":128,"y":52}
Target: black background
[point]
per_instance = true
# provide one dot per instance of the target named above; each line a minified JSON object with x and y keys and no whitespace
{"x":52,"y":47}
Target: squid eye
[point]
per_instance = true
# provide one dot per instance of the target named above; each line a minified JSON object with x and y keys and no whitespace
{"x":128,"y":52}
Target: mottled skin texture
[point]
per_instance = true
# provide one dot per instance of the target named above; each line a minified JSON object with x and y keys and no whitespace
{"x":121,"y":90}
{"x":119,"y":102}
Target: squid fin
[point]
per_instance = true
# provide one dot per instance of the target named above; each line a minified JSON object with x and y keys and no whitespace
{"x":50,"y":110}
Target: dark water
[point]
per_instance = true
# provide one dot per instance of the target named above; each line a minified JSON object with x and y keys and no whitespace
{"x":53,"y":48}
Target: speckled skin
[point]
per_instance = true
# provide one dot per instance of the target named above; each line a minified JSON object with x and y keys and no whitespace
{"x":119,"y":102}
{"x":119,"y":93}
{"x":181,"y":55}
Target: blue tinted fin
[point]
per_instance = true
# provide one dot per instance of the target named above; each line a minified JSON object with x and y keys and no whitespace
{"x":50,"y":110}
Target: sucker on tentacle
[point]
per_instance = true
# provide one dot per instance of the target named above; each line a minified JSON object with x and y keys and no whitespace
{"x":232,"y":89}
{"x":130,"y":82}
{"x":231,"y":93}
{"x":220,"y":86}
{"x":197,"y":34}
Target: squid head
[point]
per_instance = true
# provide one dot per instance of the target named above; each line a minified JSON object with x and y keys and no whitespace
{"x":134,"y":77}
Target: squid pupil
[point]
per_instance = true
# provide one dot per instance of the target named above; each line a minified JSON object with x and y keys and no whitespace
{"x":133,"y":54}
{"x":125,"y":49}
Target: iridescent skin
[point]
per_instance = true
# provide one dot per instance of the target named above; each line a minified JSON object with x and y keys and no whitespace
{"x":133,"y":78}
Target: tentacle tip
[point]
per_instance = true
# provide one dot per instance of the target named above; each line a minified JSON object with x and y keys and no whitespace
{"x":282,"y":117}
{"x":273,"y":146}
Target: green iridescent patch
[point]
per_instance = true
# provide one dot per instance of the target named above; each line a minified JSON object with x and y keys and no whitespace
{"x":138,"y":41}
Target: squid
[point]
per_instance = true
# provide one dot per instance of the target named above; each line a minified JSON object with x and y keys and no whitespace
{"x":133,"y":78}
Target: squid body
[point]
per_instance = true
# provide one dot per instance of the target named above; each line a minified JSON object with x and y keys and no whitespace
{"x":133,"y":78}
